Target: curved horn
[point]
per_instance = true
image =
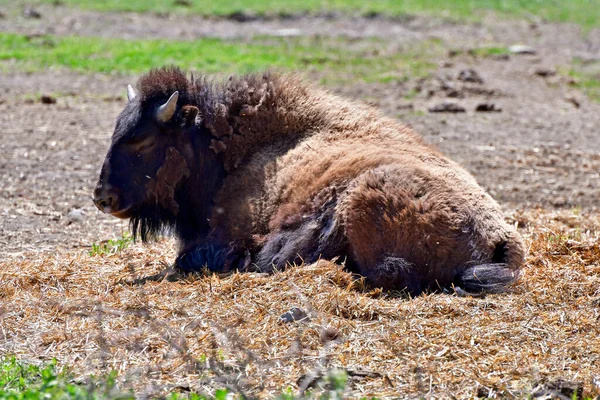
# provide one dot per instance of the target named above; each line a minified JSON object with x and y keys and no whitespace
{"x":130,"y":93}
{"x":165,"y":112}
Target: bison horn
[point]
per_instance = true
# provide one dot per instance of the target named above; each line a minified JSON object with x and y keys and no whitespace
{"x":130,"y":93}
{"x":166,"y":111}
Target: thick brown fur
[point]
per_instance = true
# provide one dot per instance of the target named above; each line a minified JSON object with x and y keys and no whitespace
{"x":310,"y":174}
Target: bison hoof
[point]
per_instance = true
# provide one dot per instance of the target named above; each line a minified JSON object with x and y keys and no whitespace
{"x":200,"y":258}
{"x":214,"y":259}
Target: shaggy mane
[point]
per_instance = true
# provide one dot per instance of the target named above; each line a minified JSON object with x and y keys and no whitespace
{"x":159,"y":84}
{"x":242,"y":113}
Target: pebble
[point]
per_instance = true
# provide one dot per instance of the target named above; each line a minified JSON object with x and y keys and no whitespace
{"x":522,"y":49}
{"x":290,"y":32}
{"x":47,"y":99}
{"x":545,"y":72}
{"x":573,"y":100}
{"x":329,"y":334}
{"x":470,"y":75}
{"x":487,"y":107}
{"x":30,"y":12}
{"x":295,"y":314}
{"x":447,"y":107}
{"x":75,"y":215}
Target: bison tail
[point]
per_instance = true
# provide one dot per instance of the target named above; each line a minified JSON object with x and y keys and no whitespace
{"x":487,"y":278}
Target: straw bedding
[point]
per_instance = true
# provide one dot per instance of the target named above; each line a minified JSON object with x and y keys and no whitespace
{"x":165,"y":332}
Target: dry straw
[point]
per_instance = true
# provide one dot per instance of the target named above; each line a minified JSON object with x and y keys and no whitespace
{"x":163,"y":332}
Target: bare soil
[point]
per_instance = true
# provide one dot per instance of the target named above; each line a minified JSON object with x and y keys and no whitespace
{"x":541,"y":150}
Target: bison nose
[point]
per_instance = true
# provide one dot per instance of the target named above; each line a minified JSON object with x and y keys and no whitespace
{"x":104,"y":203}
{"x":105,"y":200}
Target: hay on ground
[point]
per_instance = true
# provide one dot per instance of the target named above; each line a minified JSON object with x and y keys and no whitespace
{"x":170,"y":333}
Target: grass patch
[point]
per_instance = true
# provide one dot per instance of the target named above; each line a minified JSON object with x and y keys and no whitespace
{"x":586,"y":77}
{"x":24,"y":381}
{"x":19,"y":380}
{"x":583,"y":12}
{"x":485,"y":51}
{"x":111,"y":246}
{"x":337,"y":59}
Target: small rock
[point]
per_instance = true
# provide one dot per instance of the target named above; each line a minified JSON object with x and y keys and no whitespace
{"x":522,"y":49}
{"x":487,"y":107}
{"x":470,"y":75}
{"x":455,"y":94}
{"x":447,"y":107}
{"x":545,"y":72}
{"x":573,"y":100}
{"x":329,"y":334}
{"x":31,"y":12}
{"x":447,"y":85}
{"x":47,"y":99}
{"x":75,"y":215}
{"x":291,"y":32}
{"x":500,"y":57}
{"x":2,"y":15}
{"x":295,"y":314}
{"x":559,"y":201}
{"x":558,"y":389}
{"x":183,"y":3}
{"x":405,"y":106}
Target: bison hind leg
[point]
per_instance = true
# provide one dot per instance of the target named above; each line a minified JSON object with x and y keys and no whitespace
{"x":319,"y":236}
{"x":287,"y":247}
{"x":394,"y":273}
{"x":486,"y":278}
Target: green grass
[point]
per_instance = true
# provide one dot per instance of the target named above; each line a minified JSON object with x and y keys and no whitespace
{"x":484,"y":51}
{"x":22,"y":381}
{"x":25,"y":381}
{"x":111,"y":246}
{"x":339,"y":60}
{"x":586,"y":76}
{"x":583,"y":12}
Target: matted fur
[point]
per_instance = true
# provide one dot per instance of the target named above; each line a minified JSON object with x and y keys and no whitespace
{"x":291,"y":172}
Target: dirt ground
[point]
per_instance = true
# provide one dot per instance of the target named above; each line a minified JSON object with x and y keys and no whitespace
{"x":541,"y":151}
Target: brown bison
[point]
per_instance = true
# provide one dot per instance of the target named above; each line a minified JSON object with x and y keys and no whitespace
{"x":264,"y":170}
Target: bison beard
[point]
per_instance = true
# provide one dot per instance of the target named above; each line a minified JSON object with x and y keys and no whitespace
{"x":151,"y":221}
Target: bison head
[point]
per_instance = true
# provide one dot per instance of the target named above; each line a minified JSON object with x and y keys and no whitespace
{"x":147,"y":162}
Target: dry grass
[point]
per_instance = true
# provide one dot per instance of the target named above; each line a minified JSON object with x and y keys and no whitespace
{"x":117,"y":312}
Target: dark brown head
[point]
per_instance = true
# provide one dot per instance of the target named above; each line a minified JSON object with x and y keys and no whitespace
{"x":152,"y":153}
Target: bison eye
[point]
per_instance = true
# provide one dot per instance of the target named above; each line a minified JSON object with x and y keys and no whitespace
{"x":144,"y":145}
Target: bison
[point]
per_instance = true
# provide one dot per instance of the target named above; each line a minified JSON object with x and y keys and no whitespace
{"x":262,"y":171}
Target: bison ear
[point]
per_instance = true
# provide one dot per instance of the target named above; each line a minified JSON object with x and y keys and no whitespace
{"x":165,"y":112}
{"x":189,"y":114}
{"x":130,"y":93}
